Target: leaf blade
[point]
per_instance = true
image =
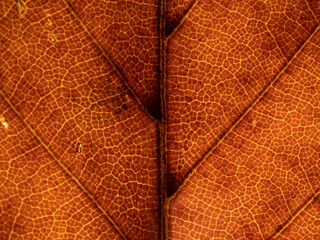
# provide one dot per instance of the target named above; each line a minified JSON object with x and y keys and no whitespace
{"x":224,"y":56}
{"x":265,"y":169}
{"x":128,"y":32}
{"x":68,"y":92}
{"x":38,"y":198}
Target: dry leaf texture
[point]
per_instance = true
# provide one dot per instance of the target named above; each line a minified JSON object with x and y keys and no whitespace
{"x":148,"y":119}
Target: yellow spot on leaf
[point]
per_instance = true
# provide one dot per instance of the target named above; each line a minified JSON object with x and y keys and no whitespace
{"x":49,"y":23}
{"x":3,"y":122}
{"x":52,"y":39}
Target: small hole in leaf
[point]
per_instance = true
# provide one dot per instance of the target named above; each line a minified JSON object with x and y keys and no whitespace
{"x":124,"y":107}
{"x":52,"y":39}
{"x":20,"y":7}
{"x":78,"y":147}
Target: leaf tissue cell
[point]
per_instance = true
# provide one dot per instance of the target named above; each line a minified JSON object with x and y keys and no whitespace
{"x":200,"y":119}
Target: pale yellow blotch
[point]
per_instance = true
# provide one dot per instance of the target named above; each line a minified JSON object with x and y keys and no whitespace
{"x":254,"y":122}
{"x":52,"y":39}
{"x":49,"y":23}
{"x":3,"y":122}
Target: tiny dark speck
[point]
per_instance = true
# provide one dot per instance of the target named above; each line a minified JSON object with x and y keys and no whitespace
{"x":188,"y":98}
{"x":124,"y":107}
{"x":279,"y":228}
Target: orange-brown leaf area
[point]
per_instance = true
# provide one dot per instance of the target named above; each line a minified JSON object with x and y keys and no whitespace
{"x":128,"y":31}
{"x":259,"y":176}
{"x":307,"y":225}
{"x":65,"y":90}
{"x":37,"y":199}
{"x":223,"y":56}
{"x":176,"y":11}
{"x":154,"y":119}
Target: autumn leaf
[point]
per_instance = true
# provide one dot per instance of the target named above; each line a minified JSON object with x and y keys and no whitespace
{"x":149,"y":119}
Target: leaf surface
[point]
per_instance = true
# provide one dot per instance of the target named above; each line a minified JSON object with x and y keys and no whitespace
{"x":153,"y":119}
{"x":37,"y":199}
{"x":65,"y":90}
{"x":128,"y":32}
{"x":221,"y":59}
{"x":265,"y":170}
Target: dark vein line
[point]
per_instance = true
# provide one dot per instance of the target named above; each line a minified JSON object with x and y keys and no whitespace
{"x":312,"y":11}
{"x":105,"y":55}
{"x":162,"y":124}
{"x":185,"y":16}
{"x":78,"y":183}
{"x":244,"y":114}
{"x":275,"y":40}
{"x":295,"y":215}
